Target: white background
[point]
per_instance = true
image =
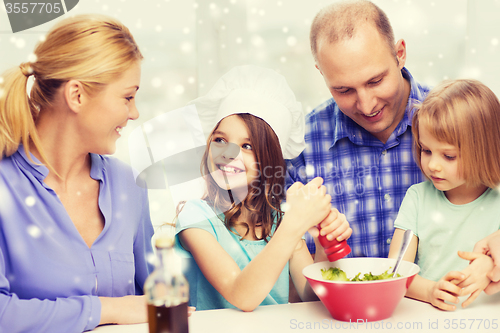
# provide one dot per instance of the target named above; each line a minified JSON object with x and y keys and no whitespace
{"x":189,"y":44}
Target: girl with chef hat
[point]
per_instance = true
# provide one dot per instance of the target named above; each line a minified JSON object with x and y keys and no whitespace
{"x":240,"y":239}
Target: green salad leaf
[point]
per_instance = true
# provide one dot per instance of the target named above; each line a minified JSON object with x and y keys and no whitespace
{"x":336,"y":274}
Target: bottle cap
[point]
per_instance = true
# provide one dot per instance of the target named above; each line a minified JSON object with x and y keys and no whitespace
{"x":164,"y":242}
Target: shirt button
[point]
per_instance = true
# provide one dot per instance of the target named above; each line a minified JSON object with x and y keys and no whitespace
{"x":384,"y":152}
{"x":389,"y":240}
{"x":387,"y":197}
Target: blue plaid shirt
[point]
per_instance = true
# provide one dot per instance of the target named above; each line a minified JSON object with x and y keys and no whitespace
{"x":366,"y":178}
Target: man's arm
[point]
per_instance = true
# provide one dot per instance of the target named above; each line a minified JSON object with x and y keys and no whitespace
{"x":490,"y":245}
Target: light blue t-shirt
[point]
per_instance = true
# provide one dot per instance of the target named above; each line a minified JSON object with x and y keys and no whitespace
{"x":443,"y":228}
{"x":198,"y":214}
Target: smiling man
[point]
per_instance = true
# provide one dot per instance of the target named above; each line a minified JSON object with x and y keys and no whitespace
{"x":360,"y":140}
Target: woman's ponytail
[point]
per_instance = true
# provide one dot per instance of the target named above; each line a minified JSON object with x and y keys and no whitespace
{"x":17,"y":122}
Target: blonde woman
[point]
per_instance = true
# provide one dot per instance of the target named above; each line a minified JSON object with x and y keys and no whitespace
{"x":75,"y":227}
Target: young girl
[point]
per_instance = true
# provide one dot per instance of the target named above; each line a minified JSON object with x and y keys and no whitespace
{"x":456,"y":135}
{"x":241,"y":245}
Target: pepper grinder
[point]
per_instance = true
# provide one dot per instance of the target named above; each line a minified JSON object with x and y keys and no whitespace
{"x":334,"y":249}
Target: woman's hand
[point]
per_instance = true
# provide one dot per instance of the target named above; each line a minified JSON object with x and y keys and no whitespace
{"x":476,"y":275}
{"x":446,"y":290}
{"x":123,"y":310}
{"x":127,"y":310}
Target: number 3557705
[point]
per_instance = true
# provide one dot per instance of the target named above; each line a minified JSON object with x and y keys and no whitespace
{"x":33,"y":8}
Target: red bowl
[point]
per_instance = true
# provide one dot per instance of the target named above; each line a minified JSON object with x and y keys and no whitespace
{"x":362,"y":300}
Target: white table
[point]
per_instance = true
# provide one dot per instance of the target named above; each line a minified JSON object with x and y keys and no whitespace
{"x":410,"y":316}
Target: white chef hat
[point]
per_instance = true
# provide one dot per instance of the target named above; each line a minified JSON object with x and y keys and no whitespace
{"x":261,"y":92}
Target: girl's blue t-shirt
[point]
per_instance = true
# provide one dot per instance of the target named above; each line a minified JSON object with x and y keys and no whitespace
{"x":203,"y":296}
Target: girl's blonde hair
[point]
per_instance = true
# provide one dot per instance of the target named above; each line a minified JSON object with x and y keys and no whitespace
{"x":92,"y":49}
{"x":465,"y":114}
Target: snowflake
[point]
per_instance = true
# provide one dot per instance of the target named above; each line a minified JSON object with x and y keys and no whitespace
{"x":34,"y":231}
{"x":30,"y":201}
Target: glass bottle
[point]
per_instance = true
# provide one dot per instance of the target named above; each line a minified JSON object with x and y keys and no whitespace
{"x":167,"y":291}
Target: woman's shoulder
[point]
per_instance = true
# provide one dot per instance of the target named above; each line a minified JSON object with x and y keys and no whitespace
{"x":18,"y":168}
{"x":118,"y":176}
{"x":112,"y":167}
{"x":6,"y":163}
{"x":110,"y":163}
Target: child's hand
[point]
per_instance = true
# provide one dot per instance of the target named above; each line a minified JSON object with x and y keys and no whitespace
{"x":446,"y":290}
{"x":334,"y":226}
{"x":308,"y":202}
{"x":476,"y":279}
